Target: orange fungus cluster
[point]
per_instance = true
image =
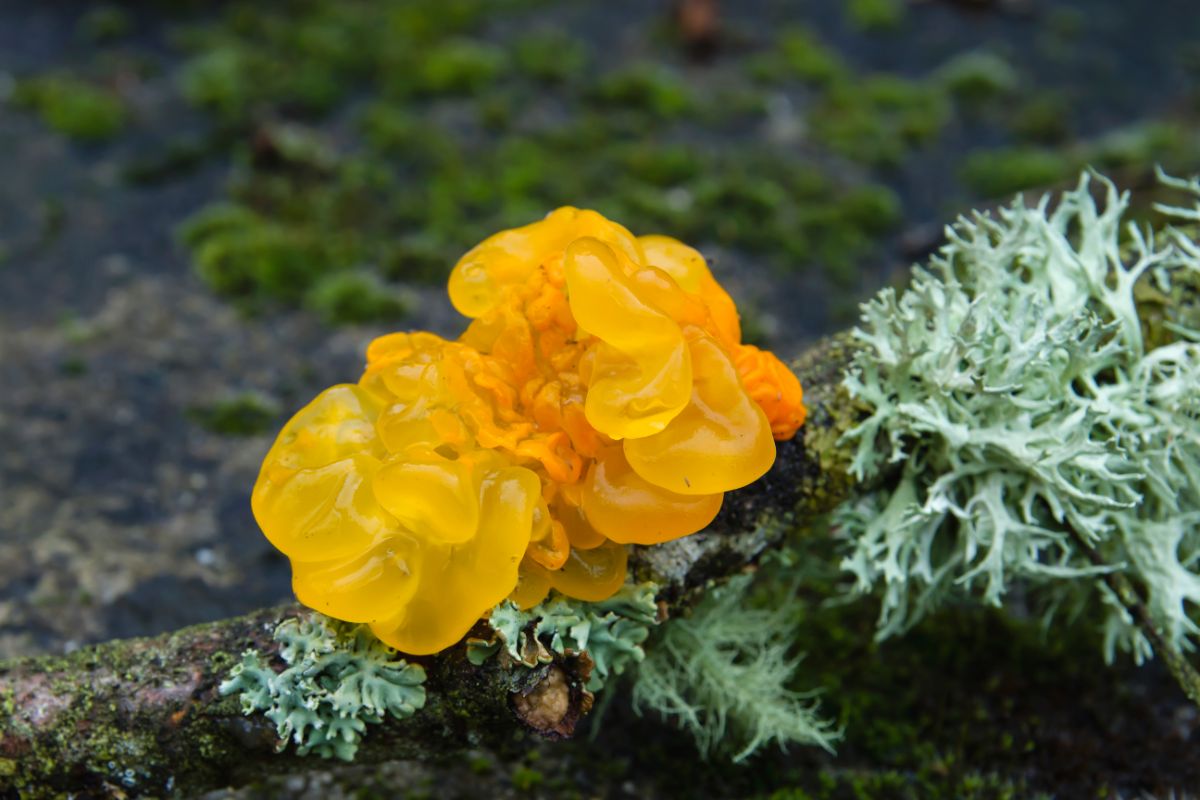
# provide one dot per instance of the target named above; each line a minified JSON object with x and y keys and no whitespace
{"x":600,"y":397}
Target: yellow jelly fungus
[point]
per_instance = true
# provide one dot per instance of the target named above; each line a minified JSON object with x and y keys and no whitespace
{"x":641,"y":374}
{"x":600,"y":397}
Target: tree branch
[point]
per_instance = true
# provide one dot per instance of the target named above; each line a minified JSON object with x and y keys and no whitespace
{"x":144,"y":717}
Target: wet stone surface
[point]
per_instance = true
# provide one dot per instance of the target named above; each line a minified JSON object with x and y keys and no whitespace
{"x":122,"y":515}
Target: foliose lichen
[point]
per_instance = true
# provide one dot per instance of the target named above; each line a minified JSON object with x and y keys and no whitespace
{"x":339,"y":679}
{"x":610,"y":631}
{"x":1038,"y":437}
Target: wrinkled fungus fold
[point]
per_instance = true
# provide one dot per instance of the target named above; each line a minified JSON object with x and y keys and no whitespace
{"x":600,"y":397}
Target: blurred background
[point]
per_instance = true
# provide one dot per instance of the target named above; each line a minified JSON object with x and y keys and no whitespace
{"x":207,"y":209}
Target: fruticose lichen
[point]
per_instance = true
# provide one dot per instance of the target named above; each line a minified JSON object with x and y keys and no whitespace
{"x":339,"y":679}
{"x":610,"y":631}
{"x":1036,"y":435}
{"x":723,"y":675}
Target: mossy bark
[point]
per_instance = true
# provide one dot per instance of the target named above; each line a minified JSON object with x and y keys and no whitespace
{"x":144,"y":717}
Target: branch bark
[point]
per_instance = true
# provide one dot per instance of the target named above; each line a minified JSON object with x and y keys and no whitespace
{"x":144,"y":717}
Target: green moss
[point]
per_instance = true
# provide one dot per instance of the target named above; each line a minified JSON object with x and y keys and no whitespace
{"x":525,"y":779}
{"x":646,"y":87}
{"x":1040,"y":119}
{"x":221,"y":660}
{"x":930,"y":782}
{"x":481,"y":764}
{"x":878,"y":119}
{"x":245,"y":414}
{"x":73,"y":330}
{"x":239,"y":252}
{"x":1172,"y":146}
{"x":996,"y":173}
{"x":662,"y":165}
{"x":296,"y":146}
{"x":461,"y":66}
{"x":834,"y":454}
{"x":799,"y":53}
{"x":917,"y":110}
{"x":498,"y":111}
{"x":73,"y":107}
{"x":1066,"y":23}
{"x":550,"y":56}
{"x":426,"y":21}
{"x":222,"y":81}
{"x":104,"y":23}
{"x":392,"y":130}
{"x":866,"y":211}
{"x":236,"y":81}
{"x":836,"y":232}
{"x":418,"y":257}
{"x":978,"y":76}
{"x":449,"y":154}
{"x":176,"y":159}
{"x":876,"y":14}
{"x":355,"y":297}
{"x":73,"y":366}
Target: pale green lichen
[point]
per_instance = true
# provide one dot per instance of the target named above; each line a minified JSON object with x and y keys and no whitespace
{"x":1037,"y":437}
{"x":723,"y":675}
{"x":611,"y":631}
{"x":339,"y":679}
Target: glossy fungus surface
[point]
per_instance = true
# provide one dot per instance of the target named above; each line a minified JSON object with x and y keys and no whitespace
{"x":600,"y":397}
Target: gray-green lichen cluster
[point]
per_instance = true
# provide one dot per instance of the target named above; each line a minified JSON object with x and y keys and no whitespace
{"x":610,"y":631}
{"x":1038,"y":435}
{"x":339,"y":679}
{"x":723,"y":674}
